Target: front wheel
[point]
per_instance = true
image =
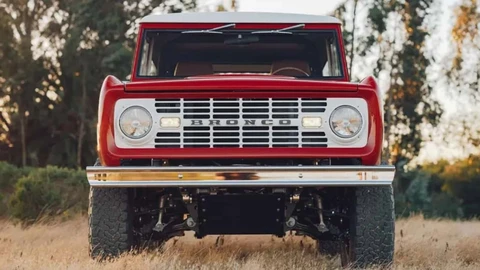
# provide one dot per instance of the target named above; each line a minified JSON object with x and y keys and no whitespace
{"x":110,"y":221}
{"x":371,"y":236}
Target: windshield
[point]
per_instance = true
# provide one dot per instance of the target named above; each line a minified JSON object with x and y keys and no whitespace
{"x":303,"y":54}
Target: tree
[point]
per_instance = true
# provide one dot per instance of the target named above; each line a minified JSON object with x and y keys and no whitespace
{"x":52,"y":72}
{"x":349,"y":29}
{"x":394,"y":36}
{"x":464,"y":70}
{"x":21,"y":76}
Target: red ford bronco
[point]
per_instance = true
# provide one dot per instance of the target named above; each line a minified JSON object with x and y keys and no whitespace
{"x":241,"y":123}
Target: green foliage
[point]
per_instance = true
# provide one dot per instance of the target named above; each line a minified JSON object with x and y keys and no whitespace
{"x":3,"y":206}
{"x":422,"y":191}
{"x":47,"y":192}
{"x":445,"y":205}
{"x":462,"y":180}
{"x":417,"y":194}
{"x":49,"y":96}
{"x":9,"y":175}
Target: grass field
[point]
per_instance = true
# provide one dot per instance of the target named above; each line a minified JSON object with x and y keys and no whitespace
{"x":420,"y":244}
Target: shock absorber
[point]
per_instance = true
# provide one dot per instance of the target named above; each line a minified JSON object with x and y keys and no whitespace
{"x":160,"y":226}
{"x":321,"y":226}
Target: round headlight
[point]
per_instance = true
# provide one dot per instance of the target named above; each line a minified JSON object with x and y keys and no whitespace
{"x":346,"y":121}
{"x":135,"y":122}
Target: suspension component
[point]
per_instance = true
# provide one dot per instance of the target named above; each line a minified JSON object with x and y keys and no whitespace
{"x":321,"y":226}
{"x":160,"y":226}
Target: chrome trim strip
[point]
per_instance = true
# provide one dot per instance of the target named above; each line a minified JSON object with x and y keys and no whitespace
{"x":239,"y":183}
{"x":253,"y":176}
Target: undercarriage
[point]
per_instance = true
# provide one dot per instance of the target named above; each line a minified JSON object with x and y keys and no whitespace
{"x":165,"y":213}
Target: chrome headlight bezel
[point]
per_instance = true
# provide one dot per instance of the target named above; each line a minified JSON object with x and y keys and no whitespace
{"x":150,"y":119}
{"x":341,"y":136}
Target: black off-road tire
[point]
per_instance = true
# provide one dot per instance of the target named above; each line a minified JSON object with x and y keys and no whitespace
{"x":328,"y":248}
{"x":372,"y":229}
{"x":110,"y":221}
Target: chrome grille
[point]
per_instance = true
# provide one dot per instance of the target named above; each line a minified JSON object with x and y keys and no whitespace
{"x":240,"y":123}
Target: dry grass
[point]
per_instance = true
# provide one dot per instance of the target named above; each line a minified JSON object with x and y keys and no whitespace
{"x":421,"y":244}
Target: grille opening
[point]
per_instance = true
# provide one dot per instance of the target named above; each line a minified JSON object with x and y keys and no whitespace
{"x":168,"y":105}
{"x":308,"y":140}
{"x":216,"y":110}
{"x":285,"y":139}
{"x":226,"y":128}
{"x":168,"y":110}
{"x":285,"y":134}
{"x":255,"y":110}
{"x":196,"y":105}
{"x":226,"y":116}
{"x":196,"y":134}
{"x":196,"y":110}
{"x":255,"y":116}
{"x":226,"y":104}
{"x":168,"y":134}
{"x":226,"y":140}
{"x":284,"y":110}
{"x":167,"y":140}
{"x":196,"y":116}
{"x":254,"y":134}
{"x":255,"y":104}
{"x":313,"y":110}
{"x":255,"y":140}
{"x":288,"y":116}
{"x":316,"y":104}
{"x":285,"y":104}
{"x":316,"y":134}
{"x":314,"y":145}
{"x":284,"y":128}
{"x":256,"y":128}
{"x":196,"y":128}
{"x":226,"y":134}
{"x":196,"y":140}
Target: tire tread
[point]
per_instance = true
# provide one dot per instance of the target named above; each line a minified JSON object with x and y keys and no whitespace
{"x":110,"y":222}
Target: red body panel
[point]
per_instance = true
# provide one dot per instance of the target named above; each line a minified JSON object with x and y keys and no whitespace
{"x":220,"y":86}
{"x":229,"y":82}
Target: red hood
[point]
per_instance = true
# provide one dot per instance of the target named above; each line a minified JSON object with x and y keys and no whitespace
{"x":239,"y":82}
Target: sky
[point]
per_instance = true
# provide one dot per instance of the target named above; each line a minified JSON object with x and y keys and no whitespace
{"x":320,"y":7}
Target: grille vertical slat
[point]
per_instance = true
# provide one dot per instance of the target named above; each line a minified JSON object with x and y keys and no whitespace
{"x":238,"y":123}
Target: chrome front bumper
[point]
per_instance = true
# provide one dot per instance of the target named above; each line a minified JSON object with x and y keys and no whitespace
{"x":254,"y":176}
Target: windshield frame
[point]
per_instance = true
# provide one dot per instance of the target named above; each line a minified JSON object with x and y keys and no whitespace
{"x":335,"y":29}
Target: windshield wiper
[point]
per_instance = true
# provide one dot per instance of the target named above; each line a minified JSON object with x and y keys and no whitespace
{"x":281,"y":31}
{"x":210,"y":31}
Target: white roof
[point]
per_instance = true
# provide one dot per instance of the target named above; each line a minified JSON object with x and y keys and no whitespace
{"x":237,"y":17}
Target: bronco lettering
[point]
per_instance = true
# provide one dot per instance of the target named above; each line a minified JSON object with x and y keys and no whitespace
{"x":234,"y":122}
